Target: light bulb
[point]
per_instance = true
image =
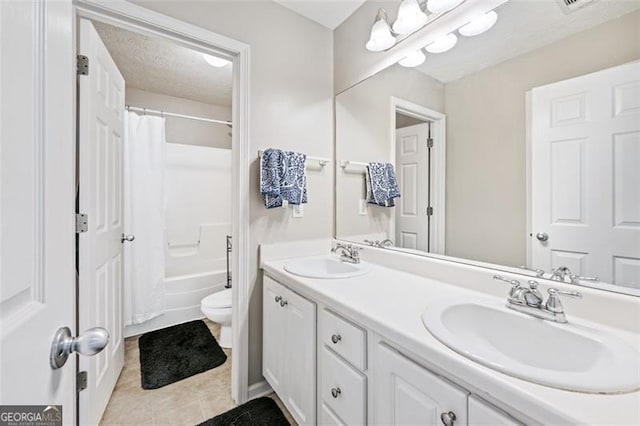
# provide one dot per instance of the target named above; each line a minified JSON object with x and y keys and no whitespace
{"x":479,"y":25}
{"x":414,"y":59}
{"x":410,"y":17}
{"x":215,"y":61}
{"x":442,"y":44}
{"x":437,"y":6}
{"x":381,"y":37}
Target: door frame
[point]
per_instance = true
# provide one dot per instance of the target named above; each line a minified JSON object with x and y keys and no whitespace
{"x":438,"y":167}
{"x":135,"y":18}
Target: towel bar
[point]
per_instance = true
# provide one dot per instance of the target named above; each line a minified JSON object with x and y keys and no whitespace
{"x":320,"y":160}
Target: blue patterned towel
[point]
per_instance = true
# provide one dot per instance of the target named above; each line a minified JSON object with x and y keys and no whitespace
{"x":382,"y":185}
{"x":283,"y":177}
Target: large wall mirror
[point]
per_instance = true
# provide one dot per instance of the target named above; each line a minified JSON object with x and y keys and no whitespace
{"x":518,"y":148}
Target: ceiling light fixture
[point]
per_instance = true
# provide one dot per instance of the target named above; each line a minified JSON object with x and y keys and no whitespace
{"x":381,"y":37}
{"x":479,"y":25}
{"x":413,"y":60}
{"x":410,"y":17}
{"x":442,"y":44}
{"x":437,"y":6}
{"x":215,"y":61}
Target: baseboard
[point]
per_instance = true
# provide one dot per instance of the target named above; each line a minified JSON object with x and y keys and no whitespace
{"x":259,"y":389}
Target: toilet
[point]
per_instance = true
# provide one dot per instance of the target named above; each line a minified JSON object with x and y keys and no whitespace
{"x":217,"y":307}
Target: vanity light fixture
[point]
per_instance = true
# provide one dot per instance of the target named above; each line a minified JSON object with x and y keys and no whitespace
{"x":413,"y":60}
{"x":479,"y":25}
{"x":215,"y":61}
{"x":442,"y":44}
{"x":437,"y":6}
{"x":410,"y":17}
{"x":381,"y":37}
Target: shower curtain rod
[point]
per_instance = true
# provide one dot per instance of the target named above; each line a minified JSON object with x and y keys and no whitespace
{"x":173,"y":114}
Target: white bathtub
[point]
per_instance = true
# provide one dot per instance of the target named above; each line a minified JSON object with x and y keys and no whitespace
{"x":185,"y":285}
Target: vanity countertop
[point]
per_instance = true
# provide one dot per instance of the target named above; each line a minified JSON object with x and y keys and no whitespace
{"x":391,"y":303}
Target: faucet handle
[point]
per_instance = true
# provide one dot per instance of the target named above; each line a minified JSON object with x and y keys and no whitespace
{"x":539,"y":272}
{"x":575,"y":279}
{"x":555,"y":291}
{"x":515,"y":284}
{"x":553,"y":302}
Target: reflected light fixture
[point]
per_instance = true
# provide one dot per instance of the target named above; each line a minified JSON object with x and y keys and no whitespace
{"x":215,"y":61}
{"x":442,"y":44}
{"x":479,"y":25}
{"x":437,"y":6}
{"x":413,"y":60}
{"x":381,"y":37}
{"x":410,"y":17}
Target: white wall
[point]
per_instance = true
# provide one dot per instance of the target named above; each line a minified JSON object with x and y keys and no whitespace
{"x":486,"y":137}
{"x":180,"y":130}
{"x":291,"y":107}
{"x":363,"y":128}
{"x":198,"y":208}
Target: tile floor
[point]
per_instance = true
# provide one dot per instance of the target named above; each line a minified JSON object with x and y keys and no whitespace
{"x":187,"y":402}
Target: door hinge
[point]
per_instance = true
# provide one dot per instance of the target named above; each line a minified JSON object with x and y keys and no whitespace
{"x":429,"y":211}
{"x":82,"y":65}
{"x":81,"y":381}
{"x":430,"y":143}
{"x":82,"y":223}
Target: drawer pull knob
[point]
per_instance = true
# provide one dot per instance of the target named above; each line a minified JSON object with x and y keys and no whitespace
{"x":278,"y":298}
{"x":448,"y":419}
{"x":283,"y":303}
{"x":335,"y":392}
{"x":336,"y":338}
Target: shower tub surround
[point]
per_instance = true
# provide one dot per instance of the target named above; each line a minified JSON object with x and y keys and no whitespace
{"x":198,"y":219}
{"x":385,"y":307}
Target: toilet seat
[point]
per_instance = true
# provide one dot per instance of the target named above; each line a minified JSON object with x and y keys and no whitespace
{"x":221,"y":299}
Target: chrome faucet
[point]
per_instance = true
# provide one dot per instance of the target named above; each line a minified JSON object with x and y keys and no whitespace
{"x":561,"y":273}
{"x":381,"y":244}
{"x":529,"y":300}
{"x":348,"y":253}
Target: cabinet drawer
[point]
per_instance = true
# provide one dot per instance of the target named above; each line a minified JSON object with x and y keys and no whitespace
{"x":343,"y":388}
{"x":345,"y":338}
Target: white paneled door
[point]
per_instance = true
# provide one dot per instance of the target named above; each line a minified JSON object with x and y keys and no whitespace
{"x":101,"y":129}
{"x":37,"y":235}
{"x":412,"y":163}
{"x":586,"y":175}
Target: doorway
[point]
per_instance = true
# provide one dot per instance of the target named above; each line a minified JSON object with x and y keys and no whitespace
{"x":142,"y":23}
{"x":419,"y":145}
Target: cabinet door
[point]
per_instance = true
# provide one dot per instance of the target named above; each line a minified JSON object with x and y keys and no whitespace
{"x":273,"y":333}
{"x":483,"y":414}
{"x":300,"y":358}
{"x":408,"y":394}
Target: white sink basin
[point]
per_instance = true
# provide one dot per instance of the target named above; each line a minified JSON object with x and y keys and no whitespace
{"x":565,"y":356}
{"x":325,"y":268}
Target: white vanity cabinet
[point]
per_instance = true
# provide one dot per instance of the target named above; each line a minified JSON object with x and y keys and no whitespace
{"x":361,"y":379}
{"x":289,"y":349}
{"x":408,"y":394}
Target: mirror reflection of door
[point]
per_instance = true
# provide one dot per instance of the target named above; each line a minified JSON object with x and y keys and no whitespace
{"x":413,"y":172}
{"x":586,"y":176}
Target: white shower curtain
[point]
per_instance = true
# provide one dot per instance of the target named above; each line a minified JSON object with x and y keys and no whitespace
{"x":144,"y":163}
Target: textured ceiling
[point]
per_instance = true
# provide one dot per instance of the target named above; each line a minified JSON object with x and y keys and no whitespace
{"x":329,"y":13}
{"x":523,"y":25}
{"x":160,"y":66}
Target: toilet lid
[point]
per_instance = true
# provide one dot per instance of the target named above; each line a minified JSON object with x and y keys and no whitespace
{"x":221,"y":299}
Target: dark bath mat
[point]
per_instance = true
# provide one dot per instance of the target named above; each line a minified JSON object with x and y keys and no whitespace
{"x":257,"y":412}
{"x":175,"y":353}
